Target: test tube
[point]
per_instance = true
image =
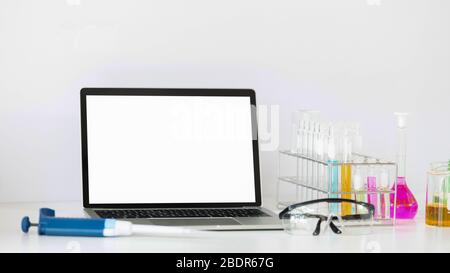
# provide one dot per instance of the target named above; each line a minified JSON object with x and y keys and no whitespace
{"x":310,"y":154}
{"x":320,"y":145}
{"x":295,"y":123}
{"x":304,"y":126}
{"x":356,"y":139}
{"x":384,"y":198}
{"x":302,"y":117}
{"x":333,"y":171}
{"x":372,"y":196}
{"x":305,"y":164}
{"x":296,"y":147}
{"x":346,"y":175}
{"x":346,"y":188}
{"x":358,"y":185}
{"x":315,"y":121}
{"x":317,"y":154}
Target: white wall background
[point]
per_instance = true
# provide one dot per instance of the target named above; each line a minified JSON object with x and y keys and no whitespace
{"x":355,"y":60}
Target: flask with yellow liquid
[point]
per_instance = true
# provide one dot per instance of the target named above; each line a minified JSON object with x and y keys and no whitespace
{"x":437,"y":211}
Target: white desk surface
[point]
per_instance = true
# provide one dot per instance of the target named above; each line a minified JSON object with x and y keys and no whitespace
{"x":405,"y":237}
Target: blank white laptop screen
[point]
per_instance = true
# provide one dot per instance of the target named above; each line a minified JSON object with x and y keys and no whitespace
{"x":169,"y":149}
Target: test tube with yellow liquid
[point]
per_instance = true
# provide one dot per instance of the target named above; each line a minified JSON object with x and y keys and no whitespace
{"x":346,"y":187}
{"x":346,"y":175}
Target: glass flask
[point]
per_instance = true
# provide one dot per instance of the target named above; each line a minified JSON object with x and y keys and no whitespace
{"x":437,"y":211}
{"x":406,"y":202}
{"x":405,"y":205}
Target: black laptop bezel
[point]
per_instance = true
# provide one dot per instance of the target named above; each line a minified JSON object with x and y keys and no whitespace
{"x":167,"y":92}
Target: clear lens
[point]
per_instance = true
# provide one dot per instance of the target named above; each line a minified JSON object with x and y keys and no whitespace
{"x":320,"y":218}
{"x":299,"y":225}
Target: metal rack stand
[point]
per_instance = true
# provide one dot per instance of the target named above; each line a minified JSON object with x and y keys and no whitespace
{"x":311,"y":181}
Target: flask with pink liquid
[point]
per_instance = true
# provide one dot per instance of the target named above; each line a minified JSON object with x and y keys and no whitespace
{"x":405,"y":205}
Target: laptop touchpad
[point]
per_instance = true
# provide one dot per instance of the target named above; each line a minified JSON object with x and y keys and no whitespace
{"x":195,"y":222}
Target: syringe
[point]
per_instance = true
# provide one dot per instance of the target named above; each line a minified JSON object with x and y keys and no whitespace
{"x":94,"y":227}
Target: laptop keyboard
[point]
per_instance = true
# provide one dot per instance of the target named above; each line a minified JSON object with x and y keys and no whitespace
{"x":179,"y":213}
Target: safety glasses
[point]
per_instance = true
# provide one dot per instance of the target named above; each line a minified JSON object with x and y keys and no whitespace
{"x":318,"y":216}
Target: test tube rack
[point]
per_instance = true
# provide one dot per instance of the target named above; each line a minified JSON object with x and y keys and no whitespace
{"x":310,"y":179}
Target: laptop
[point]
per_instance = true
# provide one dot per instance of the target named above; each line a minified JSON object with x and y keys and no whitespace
{"x":174,"y":157}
